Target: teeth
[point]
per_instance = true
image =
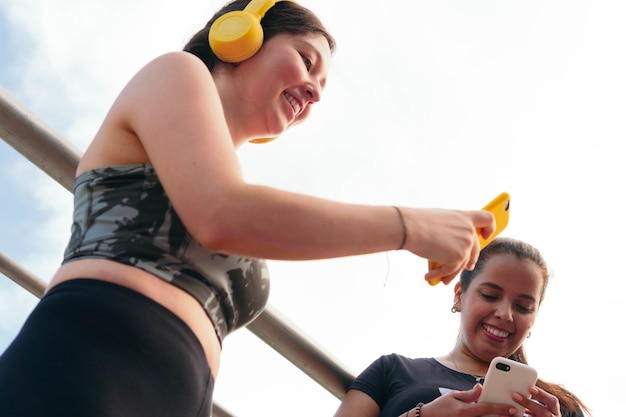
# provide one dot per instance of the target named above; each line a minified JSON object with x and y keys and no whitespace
{"x":496,"y":332}
{"x":293,"y":102}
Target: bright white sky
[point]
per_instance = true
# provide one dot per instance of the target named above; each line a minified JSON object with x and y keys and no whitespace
{"x":433,"y":104}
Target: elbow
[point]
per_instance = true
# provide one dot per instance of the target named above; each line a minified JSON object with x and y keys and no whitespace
{"x":218,"y":235}
{"x":221,"y":224}
{"x":215,"y":237}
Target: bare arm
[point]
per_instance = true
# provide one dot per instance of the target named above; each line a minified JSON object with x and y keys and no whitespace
{"x":357,"y":404}
{"x":173,"y":108}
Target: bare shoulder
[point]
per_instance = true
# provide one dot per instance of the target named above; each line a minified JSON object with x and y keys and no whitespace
{"x":177,"y":59}
{"x":173,"y":68}
{"x":168,"y":84}
{"x":157,"y":102}
{"x":173,"y":108}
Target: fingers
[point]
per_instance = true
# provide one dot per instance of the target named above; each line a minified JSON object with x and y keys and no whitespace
{"x":485,"y":222}
{"x":438,"y":273}
{"x":441,"y":274}
{"x":471,"y":395}
{"x":457,"y":246}
{"x":463,"y":403}
{"x":474,"y":253}
{"x":542,"y":404}
{"x":544,"y":397}
{"x":493,"y":409}
{"x":483,"y":408}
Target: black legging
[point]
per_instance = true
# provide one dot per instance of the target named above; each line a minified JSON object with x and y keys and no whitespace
{"x":96,"y":349}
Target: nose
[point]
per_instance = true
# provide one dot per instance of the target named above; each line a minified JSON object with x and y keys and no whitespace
{"x":504,"y":312}
{"x":313,"y":91}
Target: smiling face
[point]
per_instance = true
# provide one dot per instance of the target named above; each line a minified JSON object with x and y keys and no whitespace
{"x":276,"y":88}
{"x":499,"y":307}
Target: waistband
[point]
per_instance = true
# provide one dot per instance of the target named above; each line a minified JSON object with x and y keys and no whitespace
{"x":122,"y":301}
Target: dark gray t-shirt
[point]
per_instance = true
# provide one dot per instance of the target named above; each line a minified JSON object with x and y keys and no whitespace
{"x":398,"y":383}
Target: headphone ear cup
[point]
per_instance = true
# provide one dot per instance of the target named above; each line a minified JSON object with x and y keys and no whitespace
{"x":236,"y":36}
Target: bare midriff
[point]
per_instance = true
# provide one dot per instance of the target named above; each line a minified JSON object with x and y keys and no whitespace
{"x":179,"y":302}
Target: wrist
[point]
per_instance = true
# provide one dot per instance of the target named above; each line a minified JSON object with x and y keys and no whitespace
{"x":404,"y":230}
{"x":418,"y":410}
{"x":415,"y":411}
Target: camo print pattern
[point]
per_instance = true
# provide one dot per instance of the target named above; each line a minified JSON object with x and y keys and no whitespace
{"x":122,"y":213}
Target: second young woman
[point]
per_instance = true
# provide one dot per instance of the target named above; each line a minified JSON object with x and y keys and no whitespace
{"x":498,"y":302}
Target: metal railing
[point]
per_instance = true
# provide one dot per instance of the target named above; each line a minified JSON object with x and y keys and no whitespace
{"x":46,"y":149}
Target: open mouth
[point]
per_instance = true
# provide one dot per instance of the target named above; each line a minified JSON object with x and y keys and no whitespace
{"x":295,"y":105}
{"x":500,"y":334}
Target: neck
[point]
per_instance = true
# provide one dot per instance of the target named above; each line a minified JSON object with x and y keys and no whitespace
{"x":232,"y":107}
{"x":467,"y":364}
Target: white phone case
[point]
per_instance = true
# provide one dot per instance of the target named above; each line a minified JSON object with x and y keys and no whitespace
{"x":504,"y":377}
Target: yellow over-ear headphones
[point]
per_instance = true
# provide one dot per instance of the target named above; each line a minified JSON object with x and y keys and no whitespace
{"x":237,"y":35}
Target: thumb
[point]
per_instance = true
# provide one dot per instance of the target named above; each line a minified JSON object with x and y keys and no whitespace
{"x":470,"y":396}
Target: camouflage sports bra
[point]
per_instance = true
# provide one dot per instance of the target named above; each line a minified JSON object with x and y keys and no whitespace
{"x":122,"y":213}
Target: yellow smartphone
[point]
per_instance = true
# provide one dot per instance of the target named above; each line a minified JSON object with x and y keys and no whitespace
{"x":500,"y":207}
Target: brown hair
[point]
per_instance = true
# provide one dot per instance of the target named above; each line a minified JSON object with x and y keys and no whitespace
{"x":570,"y":403}
{"x":283,"y":17}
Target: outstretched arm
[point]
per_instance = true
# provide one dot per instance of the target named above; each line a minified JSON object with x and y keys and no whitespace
{"x":173,"y":109}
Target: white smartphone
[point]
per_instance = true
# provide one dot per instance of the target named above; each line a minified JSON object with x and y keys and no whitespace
{"x":504,"y":377}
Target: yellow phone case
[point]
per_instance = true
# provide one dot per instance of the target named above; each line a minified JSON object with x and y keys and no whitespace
{"x":499,"y":206}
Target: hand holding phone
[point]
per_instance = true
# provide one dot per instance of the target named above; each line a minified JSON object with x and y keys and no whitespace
{"x":504,"y":377}
{"x":499,"y":207}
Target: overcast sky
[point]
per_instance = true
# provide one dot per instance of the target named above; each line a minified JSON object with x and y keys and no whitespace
{"x":432,"y":104}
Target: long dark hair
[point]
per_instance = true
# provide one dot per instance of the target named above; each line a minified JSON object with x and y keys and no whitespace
{"x":283,"y":17}
{"x":570,"y":403}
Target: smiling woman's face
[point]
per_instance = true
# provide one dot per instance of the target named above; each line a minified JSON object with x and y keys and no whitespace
{"x":500,"y":306}
{"x":277,"y":86}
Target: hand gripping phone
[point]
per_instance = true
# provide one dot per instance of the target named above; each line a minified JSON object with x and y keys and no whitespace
{"x":504,"y":377}
{"x":499,"y":206}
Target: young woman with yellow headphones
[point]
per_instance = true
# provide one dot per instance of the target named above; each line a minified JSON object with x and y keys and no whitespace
{"x":166,"y":256}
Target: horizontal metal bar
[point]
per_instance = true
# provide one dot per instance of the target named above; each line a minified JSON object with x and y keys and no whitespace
{"x":38,"y":142}
{"x":21,"y":276}
{"x":275,"y":330}
{"x":55,"y":156}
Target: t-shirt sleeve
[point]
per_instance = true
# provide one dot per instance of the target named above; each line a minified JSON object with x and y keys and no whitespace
{"x":372,"y":380}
